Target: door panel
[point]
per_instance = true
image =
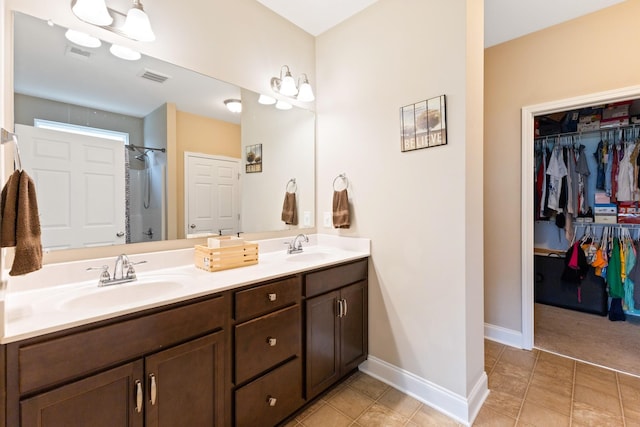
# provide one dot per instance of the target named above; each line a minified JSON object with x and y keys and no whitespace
{"x":64,"y":164}
{"x":353,"y":343}
{"x":212,"y":196}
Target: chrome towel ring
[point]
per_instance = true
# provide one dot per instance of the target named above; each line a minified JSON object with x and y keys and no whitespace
{"x":344,"y":180}
{"x":291,"y":186}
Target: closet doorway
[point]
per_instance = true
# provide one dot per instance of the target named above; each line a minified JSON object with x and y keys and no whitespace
{"x":529,"y":307}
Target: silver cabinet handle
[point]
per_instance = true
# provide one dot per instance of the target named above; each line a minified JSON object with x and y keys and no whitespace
{"x":192,"y":226}
{"x":154,"y":388}
{"x":272,"y":297}
{"x":271,"y":401}
{"x":340,"y":309}
{"x":344,"y":304}
{"x":271,"y":341}
{"x":119,"y":234}
{"x":138,"y":384}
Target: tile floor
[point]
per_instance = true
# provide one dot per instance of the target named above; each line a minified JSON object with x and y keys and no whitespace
{"x":528,"y":388}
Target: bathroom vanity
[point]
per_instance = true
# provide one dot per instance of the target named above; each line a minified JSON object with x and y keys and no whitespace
{"x":252,"y":350}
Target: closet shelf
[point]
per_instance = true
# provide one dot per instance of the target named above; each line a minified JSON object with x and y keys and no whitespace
{"x":589,"y":132}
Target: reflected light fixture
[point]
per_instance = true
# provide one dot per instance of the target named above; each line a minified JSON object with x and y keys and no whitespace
{"x":266,"y":100}
{"x":281,"y":105}
{"x":233,"y":105}
{"x":137,"y":25}
{"x":286,"y":85}
{"x":92,"y":11}
{"x":82,"y":39}
{"x":124,"y":52}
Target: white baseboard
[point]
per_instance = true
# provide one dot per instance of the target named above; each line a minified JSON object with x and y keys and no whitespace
{"x":503,"y":335}
{"x":462,"y":409}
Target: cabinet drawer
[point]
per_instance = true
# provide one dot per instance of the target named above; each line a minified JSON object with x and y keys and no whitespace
{"x":284,"y":384}
{"x":254,"y":352}
{"x":327,"y":280}
{"x":266,"y":298}
{"x":46,"y":363}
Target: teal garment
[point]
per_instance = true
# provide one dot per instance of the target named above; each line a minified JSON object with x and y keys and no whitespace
{"x":614,"y":279}
{"x":630,"y":261}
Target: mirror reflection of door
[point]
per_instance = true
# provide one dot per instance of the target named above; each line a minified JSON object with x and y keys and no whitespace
{"x":211,"y":194}
{"x":64,"y":164}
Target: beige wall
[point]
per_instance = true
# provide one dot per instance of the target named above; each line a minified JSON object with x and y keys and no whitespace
{"x":590,"y":54}
{"x":421,"y":209}
{"x":198,"y":134}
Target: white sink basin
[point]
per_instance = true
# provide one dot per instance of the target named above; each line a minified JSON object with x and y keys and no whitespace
{"x":122,"y":294}
{"x":308,"y":257}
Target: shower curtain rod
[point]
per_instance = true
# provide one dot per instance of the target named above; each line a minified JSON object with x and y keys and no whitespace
{"x":142,"y":147}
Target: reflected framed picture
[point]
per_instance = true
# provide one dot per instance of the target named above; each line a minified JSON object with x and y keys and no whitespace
{"x":423,"y":124}
{"x":253,"y":158}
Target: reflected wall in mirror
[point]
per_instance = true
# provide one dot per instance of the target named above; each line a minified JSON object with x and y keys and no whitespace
{"x":147,"y":105}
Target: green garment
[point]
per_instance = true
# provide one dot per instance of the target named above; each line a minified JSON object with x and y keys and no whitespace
{"x":614,"y":278}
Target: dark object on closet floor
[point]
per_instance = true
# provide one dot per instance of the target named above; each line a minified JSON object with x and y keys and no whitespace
{"x":616,"y":313}
{"x":550,"y":289}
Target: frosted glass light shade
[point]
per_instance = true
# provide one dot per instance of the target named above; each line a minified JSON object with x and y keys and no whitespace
{"x":92,"y":11}
{"x":306,"y":93}
{"x":281,"y":105}
{"x":82,"y":39}
{"x":233,"y":105}
{"x":137,"y":25}
{"x":288,"y":86}
{"x":124,"y":52}
{"x":266,"y":100}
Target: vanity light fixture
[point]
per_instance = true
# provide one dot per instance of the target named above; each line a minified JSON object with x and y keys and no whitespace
{"x":137,"y":25}
{"x":92,"y":11}
{"x":134,"y":25}
{"x":124,"y":52}
{"x":233,"y":105}
{"x":82,"y":39}
{"x":286,"y":85}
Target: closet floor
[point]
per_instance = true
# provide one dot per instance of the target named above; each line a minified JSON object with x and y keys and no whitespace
{"x":588,"y":337}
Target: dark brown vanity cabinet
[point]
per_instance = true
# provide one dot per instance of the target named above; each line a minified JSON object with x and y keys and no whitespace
{"x":163,"y":369}
{"x":336,"y":324}
{"x":268,"y":353}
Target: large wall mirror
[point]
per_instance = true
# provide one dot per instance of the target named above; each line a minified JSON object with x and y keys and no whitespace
{"x":126,"y":151}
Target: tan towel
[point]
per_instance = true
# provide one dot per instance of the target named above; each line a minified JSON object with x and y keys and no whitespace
{"x":21,"y":222}
{"x":289,"y":209}
{"x":341,"y":209}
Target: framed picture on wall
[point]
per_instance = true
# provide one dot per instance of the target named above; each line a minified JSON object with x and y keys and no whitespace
{"x":423,"y":124}
{"x":253,"y":158}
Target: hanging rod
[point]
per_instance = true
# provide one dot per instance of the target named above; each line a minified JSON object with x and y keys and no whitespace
{"x":133,"y":147}
{"x":612,"y":129}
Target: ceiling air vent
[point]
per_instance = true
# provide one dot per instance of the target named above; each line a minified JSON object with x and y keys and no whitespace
{"x":78,"y":53}
{"x":154,"y":76}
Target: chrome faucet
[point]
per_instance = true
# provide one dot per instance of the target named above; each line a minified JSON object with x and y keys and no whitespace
{"x":123,"y":271}
{"x":295,"y":247}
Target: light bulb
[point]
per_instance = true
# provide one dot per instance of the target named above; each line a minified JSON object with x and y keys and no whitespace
{"x":306,"y":93}
{"x":288,"y":86}
{"x":137,"y":25}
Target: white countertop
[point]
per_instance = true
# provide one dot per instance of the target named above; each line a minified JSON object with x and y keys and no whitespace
{"x":65,"y":295}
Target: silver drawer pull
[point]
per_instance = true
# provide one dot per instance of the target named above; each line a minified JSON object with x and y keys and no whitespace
{"x":271,"y":341}
{"x":271,"y":401}
{"x":272,"y":297}
{"x":154,"y":389}
{"x":138,"y":384}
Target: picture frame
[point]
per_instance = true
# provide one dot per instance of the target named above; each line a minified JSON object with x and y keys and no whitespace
{"x":423,"y":124}
{"x":253,"y":158}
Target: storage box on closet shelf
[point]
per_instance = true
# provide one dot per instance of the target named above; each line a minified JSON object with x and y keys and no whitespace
{"x":225,"y":252}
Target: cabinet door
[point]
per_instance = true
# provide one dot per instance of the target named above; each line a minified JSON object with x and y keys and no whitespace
{"x":185,"y":384}
{"x":322,"y":343}
{"x":353,"y":326}
{"x":108,"y":399}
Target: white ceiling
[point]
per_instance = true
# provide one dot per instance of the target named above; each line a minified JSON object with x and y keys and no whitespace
{"x":504,"y":19}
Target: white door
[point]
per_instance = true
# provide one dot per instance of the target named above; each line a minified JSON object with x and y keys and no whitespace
{"x":80,"y":187}
{"x":212,"y":194}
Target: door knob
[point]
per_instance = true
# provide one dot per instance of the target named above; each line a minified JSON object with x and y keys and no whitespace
{"x":271,"y":401}
{"x":192,"y":226}
{"x":272,"y":297}
{"x":119,"y":234}
{"x":271,"y":341}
